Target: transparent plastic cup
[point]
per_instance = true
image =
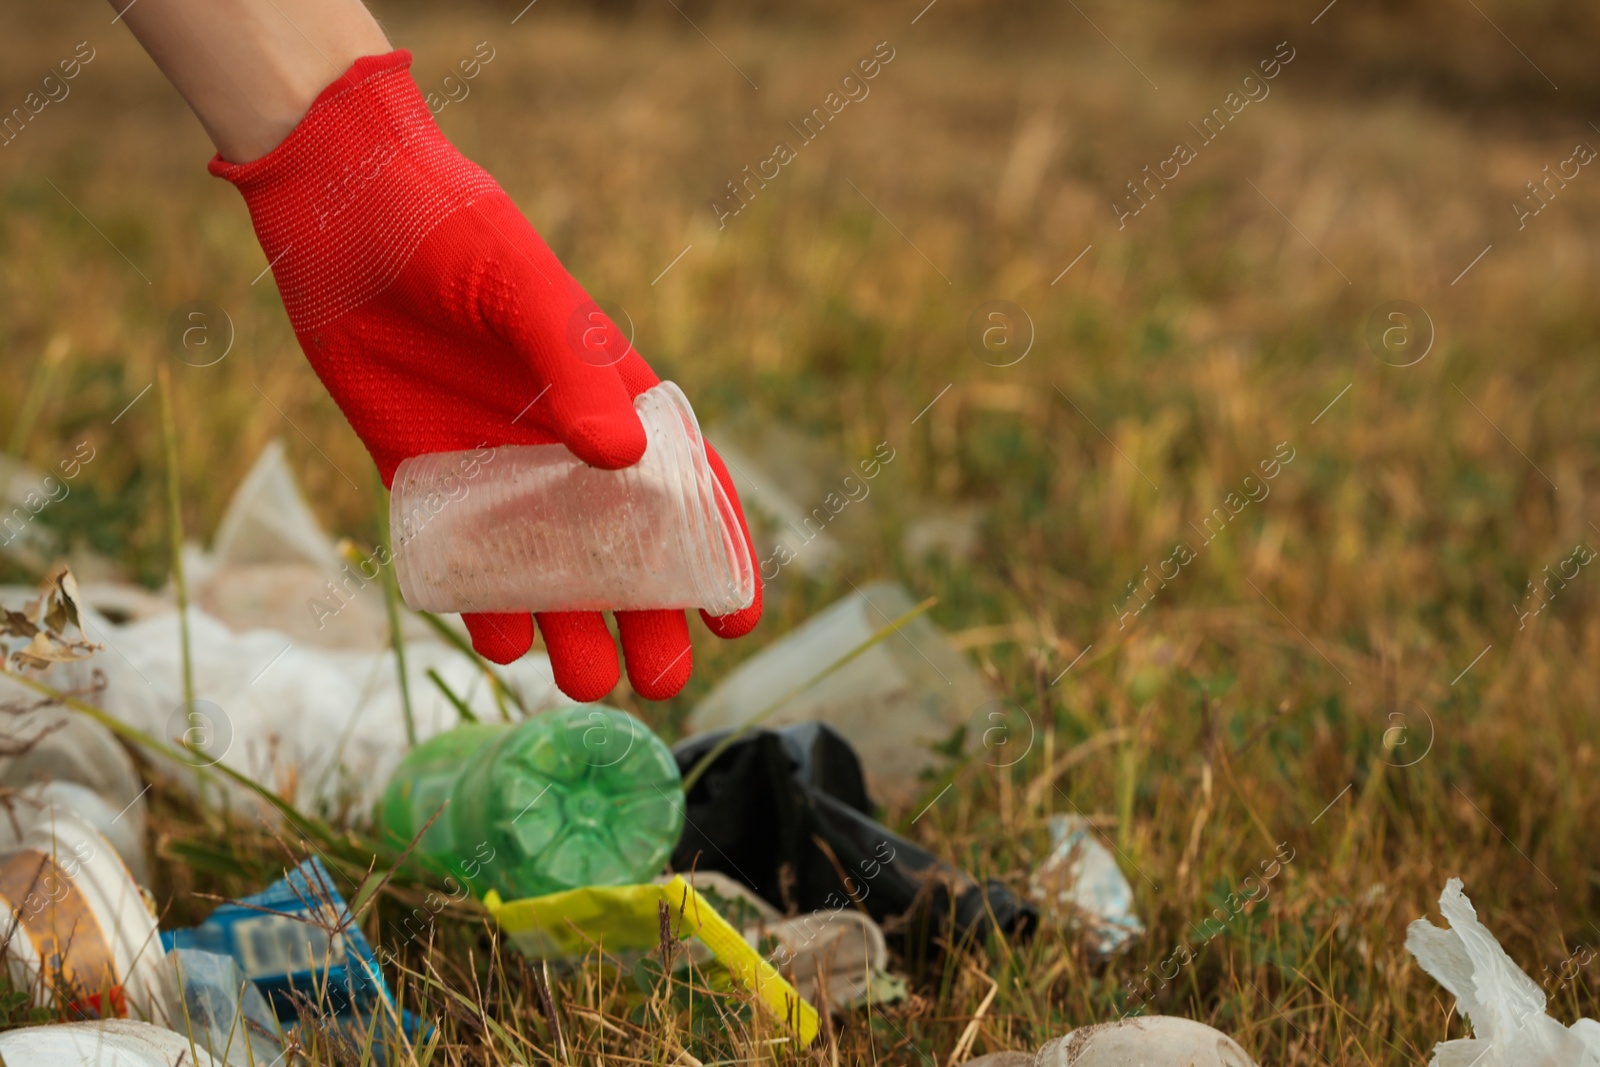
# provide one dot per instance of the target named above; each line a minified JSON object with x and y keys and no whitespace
{"x":534,"y":528}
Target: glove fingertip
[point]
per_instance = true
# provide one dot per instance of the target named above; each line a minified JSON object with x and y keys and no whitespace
{"x":500,"y":637}
{"x":586,"y":682}
{"x":583,"y":657}
{"x":736,"y":623}
{"x":657,"y":648}
{"x":605,"y":441}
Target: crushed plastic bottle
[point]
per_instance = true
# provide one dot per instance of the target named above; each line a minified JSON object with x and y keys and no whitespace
{"x":583,"y":796}
{"x":534,"y":528}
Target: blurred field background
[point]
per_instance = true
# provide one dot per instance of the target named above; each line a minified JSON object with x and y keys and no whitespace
{"x":1343,"y":668}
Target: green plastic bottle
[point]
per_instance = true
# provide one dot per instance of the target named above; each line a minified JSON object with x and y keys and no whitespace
{"x":574,"y":797}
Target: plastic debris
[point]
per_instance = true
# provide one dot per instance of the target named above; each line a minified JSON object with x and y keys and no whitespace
{"x":298,"y":942}
{"x":578,"y":797}
{"x":760,"y":810}
{"x":1505,"y":1007}
{"x":270,"y":564}
{"x":627,"y":921}
{"x":225,"y":1012}
{"x":295,"y":685}
{"x":1080,"y":884}
{"x":1156,"y":1040}
{"x":323,"y":728}
{"x":54,"y":755}
{"x":81,"y":937}
{"x":837,"y":958}
{"x":108,"y":1043}
{"x":894,"y":702}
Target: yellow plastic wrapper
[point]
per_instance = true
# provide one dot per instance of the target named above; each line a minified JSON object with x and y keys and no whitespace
{"x":627,"y":917}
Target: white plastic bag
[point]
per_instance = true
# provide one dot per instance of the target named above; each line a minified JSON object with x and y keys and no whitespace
{"x":315,"y":725}
{"x":1503,"y":1005}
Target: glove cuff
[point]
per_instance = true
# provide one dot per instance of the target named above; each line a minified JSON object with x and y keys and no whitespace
{"x":344,"y":202}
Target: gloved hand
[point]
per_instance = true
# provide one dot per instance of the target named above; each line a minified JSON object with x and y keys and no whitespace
{"x":440,"y":321}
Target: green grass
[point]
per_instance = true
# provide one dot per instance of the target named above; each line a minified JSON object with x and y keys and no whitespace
{"x":1303,"y":680}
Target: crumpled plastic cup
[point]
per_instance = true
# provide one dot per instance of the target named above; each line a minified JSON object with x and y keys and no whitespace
{"x":534,"y":528}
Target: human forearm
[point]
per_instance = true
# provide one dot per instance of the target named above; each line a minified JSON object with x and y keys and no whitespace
{"x":251,"y":68}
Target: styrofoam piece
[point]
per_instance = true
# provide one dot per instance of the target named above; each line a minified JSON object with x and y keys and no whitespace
{"x":108,"y":1043}
{"x":1144,"y":1041}
{"x":893,"y":702}
{"x":1080,"y":885}
{"x":1505,"y":1007}
{"x":77,"y":905}
{"x":69,"y":759}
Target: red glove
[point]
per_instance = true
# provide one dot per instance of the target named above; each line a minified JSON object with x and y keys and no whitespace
{"x":440,"y":321}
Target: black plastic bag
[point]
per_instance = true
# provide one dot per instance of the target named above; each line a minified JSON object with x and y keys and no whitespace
{"x":786,"y":812}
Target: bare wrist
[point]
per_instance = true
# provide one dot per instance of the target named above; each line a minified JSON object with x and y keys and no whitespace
{"x":251,"y":68}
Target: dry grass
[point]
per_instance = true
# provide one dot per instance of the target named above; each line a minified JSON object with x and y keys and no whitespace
{"x":1263,"y":691}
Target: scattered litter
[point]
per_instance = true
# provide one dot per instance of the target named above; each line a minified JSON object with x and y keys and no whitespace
{"x":1157,"y":1040}
{"x":1505,"y":1008}
{"x":324,"y":728}
{"x":1080,"y":885}
{"x":82,"y":937}
{"x":297,"y":938}
{"x":894,"y":702}
{"x":271,"y":566}
{"x":787,"y":813}
{"x":627,"y":921}
{"x":295,"y":686}
{"x":108,"y":1043}
{"x":54,"y":755}
{"x":225,"y":1011}
{"x":836,"y":958}
{"x":584,"y":796}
